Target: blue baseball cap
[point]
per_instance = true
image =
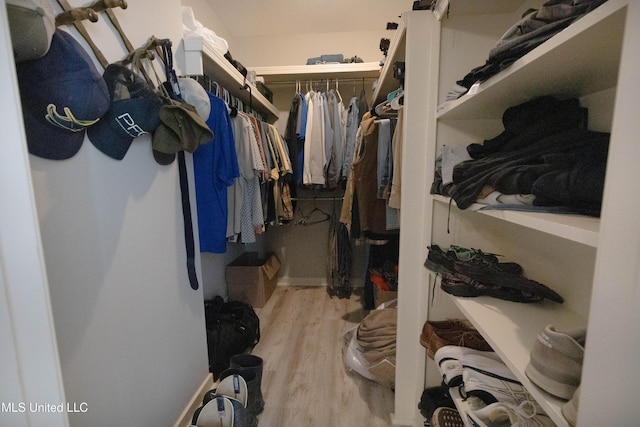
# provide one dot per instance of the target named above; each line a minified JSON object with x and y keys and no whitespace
{"x":134,"y":111}
{"x":62,"y":94}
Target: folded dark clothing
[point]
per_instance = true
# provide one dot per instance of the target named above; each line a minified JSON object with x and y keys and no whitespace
{"x":531,"y":121}
{"x":580,"y":186}
{"x":535,"y":27}
{"x":469,"y":177}
{"x":519,"y":179}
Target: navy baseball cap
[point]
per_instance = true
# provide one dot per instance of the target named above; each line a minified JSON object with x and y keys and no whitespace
{"x":62,"y":94}
{"x":134,"y":111}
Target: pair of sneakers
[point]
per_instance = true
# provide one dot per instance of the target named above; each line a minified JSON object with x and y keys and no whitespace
{"x":472,"y":272}
{"x":495,"y":415}
{"x":493,"y":393}
{"x":225,"y":406}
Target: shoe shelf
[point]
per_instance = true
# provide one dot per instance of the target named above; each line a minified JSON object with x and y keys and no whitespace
{"x":580,"y":60}
{"x":512,"y":328}
{"x":576,"y":228}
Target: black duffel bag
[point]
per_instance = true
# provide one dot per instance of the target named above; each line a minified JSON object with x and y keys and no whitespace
{"x":232,"y":328}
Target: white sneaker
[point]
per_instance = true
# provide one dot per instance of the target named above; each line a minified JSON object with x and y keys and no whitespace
{"x":218,"y":412}
{"x":451,"y":358}
{"x":525,"y":414}
{"x":491,"y":381}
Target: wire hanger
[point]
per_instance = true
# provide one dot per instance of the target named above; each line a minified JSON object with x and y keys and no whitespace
{"x":308,"y":220}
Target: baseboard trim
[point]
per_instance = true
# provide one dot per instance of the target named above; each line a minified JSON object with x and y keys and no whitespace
{"x":402,"y":422}
{"x":194,"y":403}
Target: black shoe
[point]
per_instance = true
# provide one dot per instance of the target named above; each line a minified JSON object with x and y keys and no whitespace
{"x":494,"y":277}
{"x":441,"y":262}
{"x":460,"y":285}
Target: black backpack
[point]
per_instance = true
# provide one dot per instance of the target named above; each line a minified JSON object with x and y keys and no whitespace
{"x":232,"y":328}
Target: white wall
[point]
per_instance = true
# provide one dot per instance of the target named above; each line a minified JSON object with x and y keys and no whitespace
{"x":130,"y":330}
{"x":287,"y":50}
{"x":29,"y":362}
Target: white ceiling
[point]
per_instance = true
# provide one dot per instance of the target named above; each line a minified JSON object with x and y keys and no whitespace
{"x":251,"y":18}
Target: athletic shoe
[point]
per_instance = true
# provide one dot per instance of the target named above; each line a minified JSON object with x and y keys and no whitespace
{"x":555,"y":364}
{"x":476,"y":256}
{"x":488,"y":380}
{"x":451,"y":358}
{"x":570,"y":409}
{"x":433,"y":398}
{"x":438,"y":261}
{"x":460,"y":285}
{"x":523,"y":415}
{"x":446,"y":417}
{"x":441,"y":261}
{"x":491,"y":277}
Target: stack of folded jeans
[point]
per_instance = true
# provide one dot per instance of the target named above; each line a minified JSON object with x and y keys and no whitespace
{"x":472,"y":273}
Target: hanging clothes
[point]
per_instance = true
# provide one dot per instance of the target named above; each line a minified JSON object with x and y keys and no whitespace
{"x":315,"y":137}
{"x":292,"y":133}
{"x":396,"y":147}
{"x":372,"y":210}
{"x":339,"y":259}
{"x":336,"y":114}
{"x":215,"y":167}
{"x":330,"y":178}
{"x":314,"y":150}
{"x":353,"y":123}
{"x":247,"y":218}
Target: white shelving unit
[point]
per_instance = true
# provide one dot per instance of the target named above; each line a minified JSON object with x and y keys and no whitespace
{"x":396,"y":52}
{"x":591,"y":262}
{"x":203,"y":59}
{"x":276,"y":74}
{"x":576,"y":228}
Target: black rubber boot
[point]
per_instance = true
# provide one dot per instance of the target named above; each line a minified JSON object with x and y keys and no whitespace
{"x":254,"y":364}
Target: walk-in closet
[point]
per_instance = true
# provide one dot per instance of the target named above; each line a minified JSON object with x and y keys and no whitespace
{"x":381,"y":213}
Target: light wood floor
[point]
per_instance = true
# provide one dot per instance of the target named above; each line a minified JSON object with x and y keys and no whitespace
{"x":305,"y":383}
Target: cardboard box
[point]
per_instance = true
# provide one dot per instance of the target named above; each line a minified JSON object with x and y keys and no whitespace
{"x":252,"y":279}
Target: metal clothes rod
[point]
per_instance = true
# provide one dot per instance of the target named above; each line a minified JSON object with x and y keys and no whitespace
{"x":317,"y":198}
{"x":290,"y":82}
